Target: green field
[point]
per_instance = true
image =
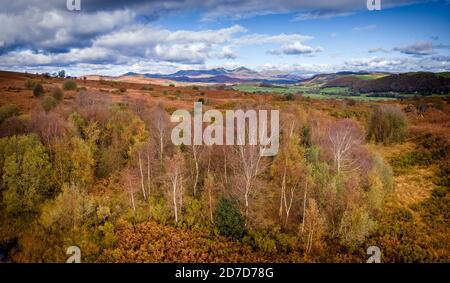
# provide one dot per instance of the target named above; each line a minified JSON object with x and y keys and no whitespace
{"x":444,"y":74}
{"x":311,"y":92}
{"x":369,"y":76}
{"x":340,"y":97}
{"x":277,"y":89}
{"x":334,"y":90}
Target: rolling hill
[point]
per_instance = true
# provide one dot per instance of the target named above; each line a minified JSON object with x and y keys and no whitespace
{"x":422,"y":82}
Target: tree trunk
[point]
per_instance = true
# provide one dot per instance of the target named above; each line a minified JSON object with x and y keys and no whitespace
{"x":225,"y":169}
{"x":132,"y":202}
{"x":283,"y":196}
{"x":130,"y":190}
{"x":247,"y":191}
{"x":210,"y":205}
{"x":196,"y":170}
{"x":161,"y":146}
{"x":142,"y":177}
{"x":288,"y":207}
{"x":175,"y":207}
{"x":304,"y":205}
{"x":148,"y":175}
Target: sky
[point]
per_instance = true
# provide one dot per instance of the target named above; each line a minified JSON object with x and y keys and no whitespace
{"x":287,"y":36}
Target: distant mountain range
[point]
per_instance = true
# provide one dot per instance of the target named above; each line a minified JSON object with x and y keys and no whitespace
{"x":222,"y":75}
{"x":359,"y":82}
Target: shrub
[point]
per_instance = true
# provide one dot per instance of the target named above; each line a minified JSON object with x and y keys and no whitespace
{"x":70,"y":85}
{"x":194,"y":217}
{"x":15,"y":125}
{"x":38,"y":90}
{"x":7,"y":111}
{"x":264,"y":242}
{"x":387,"y":125}
{"x":57,"y":93}
{"x":404,"y":162}
{"x":356,"y":225}
{"x":159,"y":211}
{"x":228,"y":219}
{"x":443,"y":175}
{"x":49,"y":103}
{"x":437,"y":147}
{"x":271,"y":241}
{"x":399,"y":227}
{"x":289,"y":97}
{"x":384,"y":172}
{"x":29,"y":84}
{"x":306,"y":137}
{"x":380,"y":181}
{"x":421,"y":107}
{"x":350,"y":102}
{"x":439,"y":104}
{"x":27,"y":176}
{"x":147,"y":88}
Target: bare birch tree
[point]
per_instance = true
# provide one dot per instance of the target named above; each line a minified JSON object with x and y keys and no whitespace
{"x":175,"y":174}
{"x":160,"y":126}
{"x":130,"y":186}
{"x":344,"y":138}
{"x":196,"y":152}
{"x":287,"y":171}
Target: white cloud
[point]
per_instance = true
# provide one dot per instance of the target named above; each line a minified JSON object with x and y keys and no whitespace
{"x":254,"y":39}
{"x":76,"y":55}
{"x":420,"y":48}
{"x":209,"y":36}
{"x":319,"y":15}
{"x":52,"y":29}
{"x":364,"y":28}
{"x":227,"y":53}
{"x":375,"y":64}
{"x":306,"y":9}
{"x":193,"y":53}
{"x":182,"y":45}
{"x":378,"y":49}
{"x":296,"y":48}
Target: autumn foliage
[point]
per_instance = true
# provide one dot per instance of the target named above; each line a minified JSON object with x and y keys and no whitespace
{"x":98,"y":170}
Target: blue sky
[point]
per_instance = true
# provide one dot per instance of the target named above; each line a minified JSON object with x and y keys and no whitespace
{"x":303,"y":37}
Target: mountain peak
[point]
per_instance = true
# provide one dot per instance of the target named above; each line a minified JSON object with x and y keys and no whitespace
{"x":242,"y":69}
{"x":132,"y":74}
